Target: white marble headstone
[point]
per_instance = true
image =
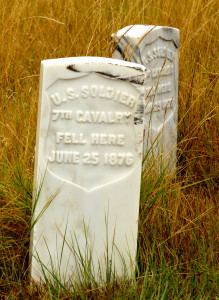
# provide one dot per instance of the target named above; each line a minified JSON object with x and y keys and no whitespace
{"x":88,"y":167}
{"x":155,"y":47}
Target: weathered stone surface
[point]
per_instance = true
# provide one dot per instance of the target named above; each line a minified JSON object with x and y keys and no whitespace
{"x":156,"y":47}
{"x":88,"y":166}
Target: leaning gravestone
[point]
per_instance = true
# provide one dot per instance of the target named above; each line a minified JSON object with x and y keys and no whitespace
{"x":87,"y":169}
{"x":155,"y":47}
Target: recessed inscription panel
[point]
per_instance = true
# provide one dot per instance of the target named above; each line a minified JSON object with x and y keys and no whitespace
{"x":160,"y":89}
{"x":90,"y":139}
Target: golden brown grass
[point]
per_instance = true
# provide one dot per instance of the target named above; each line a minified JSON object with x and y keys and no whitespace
{"x":179,"y":226}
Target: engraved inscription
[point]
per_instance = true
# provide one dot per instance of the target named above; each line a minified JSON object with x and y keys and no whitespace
{"x":91,"y":127}
{"x":162,"y":71}
{"x":158,"y":52}
{"x":159,"y":105}
{"x":70,"y":138}
{"x":62,"y":114}
{"x":118,"y":159}
{"x":67,"y":157}
{"x":94,"y":91}
{"x":101,"y":117}
{"x":91,"y":158}
{"x":107,"y":139}
{"x":160,"y":86}
{"x":160,"y":89}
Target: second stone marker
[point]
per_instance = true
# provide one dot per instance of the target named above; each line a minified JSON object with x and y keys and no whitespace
{"x":155,"y":47}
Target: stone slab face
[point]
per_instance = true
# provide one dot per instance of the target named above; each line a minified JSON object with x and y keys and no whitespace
{"x":155,"y":47}
{"x":87,"y":168}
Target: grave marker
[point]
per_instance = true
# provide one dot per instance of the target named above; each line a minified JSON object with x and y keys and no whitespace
{"x":88,"y":167}
{"x":155,"y":47}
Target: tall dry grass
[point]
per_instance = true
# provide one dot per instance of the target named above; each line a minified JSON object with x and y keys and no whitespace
{"x":178,"y":218}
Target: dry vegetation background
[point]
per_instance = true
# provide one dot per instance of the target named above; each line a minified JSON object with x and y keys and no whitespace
{"x":178,"y":219}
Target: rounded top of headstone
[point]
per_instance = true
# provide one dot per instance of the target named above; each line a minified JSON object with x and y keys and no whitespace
{"x":92,"y":63}
{"x":108,"y":67}
{"x":148,"y":33}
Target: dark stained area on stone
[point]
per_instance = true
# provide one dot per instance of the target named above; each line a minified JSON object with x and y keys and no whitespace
{"x":130,"y":79}
{"x":108,"y":75}
{"x":120,"y":51}
{"x":133,"y":79}
{"x":138,"y":121}
{"x":140,"y":113}
{"x":168,"y":29}
{"x":72,"y":68}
